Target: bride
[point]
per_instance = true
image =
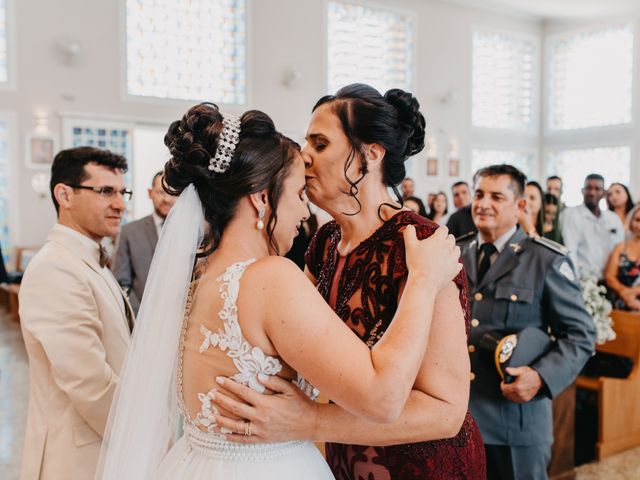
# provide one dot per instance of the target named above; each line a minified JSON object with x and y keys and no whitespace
{"x":247,"y":313}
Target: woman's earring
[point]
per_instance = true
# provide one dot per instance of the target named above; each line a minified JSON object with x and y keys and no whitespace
{"x":260,"y":223}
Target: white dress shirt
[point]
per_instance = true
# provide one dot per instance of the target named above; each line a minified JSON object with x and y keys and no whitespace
{"x":590,"y":239}
{"x":158,"y":221}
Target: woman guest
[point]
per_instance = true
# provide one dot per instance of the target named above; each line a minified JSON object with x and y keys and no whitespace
{"x":551,"y":225}
{"x":357,"y":143}
{"x":622,"y":273}
{"x":415,"y":205}
{"x":619,"y":201}
{"x":438,"y":208}
{"x":532,"y":218}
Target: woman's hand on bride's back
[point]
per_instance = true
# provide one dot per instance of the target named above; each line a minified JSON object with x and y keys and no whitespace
{"x":436,"y":259}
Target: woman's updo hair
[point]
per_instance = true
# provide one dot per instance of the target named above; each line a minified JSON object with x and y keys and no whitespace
{"x":262,"y":160}
{"x":393,"y":121}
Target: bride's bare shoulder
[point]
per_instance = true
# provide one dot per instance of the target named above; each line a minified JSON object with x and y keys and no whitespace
{"x":275,"y":269}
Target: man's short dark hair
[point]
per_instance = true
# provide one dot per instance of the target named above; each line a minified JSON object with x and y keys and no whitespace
{"x":457,"y":184}
{"x":594,"y":176}
{"x":157,"y":175}
{"x":518,"y":179}
{"x":554,"y":177}
{"x":407,"y":178}
{"x":68,"y":166}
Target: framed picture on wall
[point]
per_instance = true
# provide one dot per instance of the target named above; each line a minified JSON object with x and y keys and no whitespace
{"x":41,"y":148}
{"x":432,"y":167}
{"x":454,"y":167}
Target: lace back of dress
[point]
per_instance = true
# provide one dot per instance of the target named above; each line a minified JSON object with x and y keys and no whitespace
{"x":213,"y":344}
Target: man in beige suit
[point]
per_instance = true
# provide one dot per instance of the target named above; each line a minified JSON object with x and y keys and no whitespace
{"x":75,"y":319}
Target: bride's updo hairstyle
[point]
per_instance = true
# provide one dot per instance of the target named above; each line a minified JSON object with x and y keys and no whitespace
{"x":393,"y":121}
{"x":262,"y":160}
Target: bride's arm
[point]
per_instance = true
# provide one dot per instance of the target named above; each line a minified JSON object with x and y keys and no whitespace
{"x":435,"y":409}
{"x":308,"y":335}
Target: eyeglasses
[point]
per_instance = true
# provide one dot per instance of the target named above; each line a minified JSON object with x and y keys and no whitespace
{"x":105,"y":192}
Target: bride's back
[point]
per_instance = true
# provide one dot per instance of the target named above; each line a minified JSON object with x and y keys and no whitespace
{"x":223,"y":336}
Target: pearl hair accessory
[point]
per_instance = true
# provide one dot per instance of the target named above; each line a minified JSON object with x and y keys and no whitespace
{"x":229,"y":138}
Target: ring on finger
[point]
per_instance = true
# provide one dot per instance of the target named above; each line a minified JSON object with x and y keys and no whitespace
{"x":247,"y":428}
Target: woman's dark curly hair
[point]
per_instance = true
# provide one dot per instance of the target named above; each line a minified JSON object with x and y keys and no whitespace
{"x":262,"y":160}
{"x":393,"y":121}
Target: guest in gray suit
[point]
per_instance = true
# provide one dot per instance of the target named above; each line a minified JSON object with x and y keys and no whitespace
{"x":137,"y":242}
{"x":515,"y":282}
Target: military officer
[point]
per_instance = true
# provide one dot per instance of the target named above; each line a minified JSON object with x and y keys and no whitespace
{"x":516,"y":282}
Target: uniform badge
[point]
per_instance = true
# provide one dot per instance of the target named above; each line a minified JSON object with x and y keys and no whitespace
{"x":515,"y":247}
{"x":506,"y":347}
{"x":567,"y":271}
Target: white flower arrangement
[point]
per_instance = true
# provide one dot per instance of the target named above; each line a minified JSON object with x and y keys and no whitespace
{"x":598,"y":307}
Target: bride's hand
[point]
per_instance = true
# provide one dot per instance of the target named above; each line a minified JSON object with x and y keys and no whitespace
{"x":435,"y":259}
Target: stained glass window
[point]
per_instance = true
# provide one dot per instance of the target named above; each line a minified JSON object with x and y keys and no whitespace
{"x":522,"y":159}
{"x":369,"y":45}
{"x":590,"y":79}
{"x":613,"y":163}
{"x":4,"y":41}
{"x":116,"y":137}
{"x":191,"y":50}
{"x":502,"y":81}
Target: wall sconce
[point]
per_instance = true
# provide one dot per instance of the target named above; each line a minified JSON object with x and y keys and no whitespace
{"x":42,"y":122}
{"x":454,"y":148}
{"x":291,"y":77}
{"x":40,"y":184}
{"x":69,"y":51}
{"x":454,"y":157}
{"x":450,"y":98}
{"x":432,"y":156}
{"x":432,"y":146}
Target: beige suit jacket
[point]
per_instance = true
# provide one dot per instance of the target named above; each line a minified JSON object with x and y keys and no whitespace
{"x":74,"y":323}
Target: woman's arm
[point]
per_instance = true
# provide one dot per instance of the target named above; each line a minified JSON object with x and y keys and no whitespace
{"x":310,"y":337}
{"x":435,"y":409}
{"x":628,"y":294}
{"x":611,"y":270}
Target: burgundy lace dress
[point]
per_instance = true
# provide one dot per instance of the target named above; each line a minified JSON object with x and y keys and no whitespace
{"x":362,"y":288}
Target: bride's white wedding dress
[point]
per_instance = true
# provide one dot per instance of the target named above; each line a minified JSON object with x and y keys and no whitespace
{"x":216,"y":346}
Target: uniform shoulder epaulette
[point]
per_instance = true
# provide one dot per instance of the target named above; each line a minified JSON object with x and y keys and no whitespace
{"x":551,"y":245}
{"x":465,"y":236}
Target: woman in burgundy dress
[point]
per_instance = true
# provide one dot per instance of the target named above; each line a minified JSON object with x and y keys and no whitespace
{"x":358,"y":141}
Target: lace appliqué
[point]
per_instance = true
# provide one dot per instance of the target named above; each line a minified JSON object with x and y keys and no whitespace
{"x":249,"y":361}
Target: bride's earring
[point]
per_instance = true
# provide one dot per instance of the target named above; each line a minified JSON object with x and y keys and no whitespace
{"x":260,"y":223}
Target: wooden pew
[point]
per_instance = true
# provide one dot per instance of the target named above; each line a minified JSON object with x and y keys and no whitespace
{"x":12,"y":301}
{"x":618,"y":398}
{"x":561,"y":466}
{"x":10,"y":291}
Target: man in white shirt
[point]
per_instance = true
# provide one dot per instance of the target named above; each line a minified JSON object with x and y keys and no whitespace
{"x":137,"y":242}
{"x":75,"y":319}
{"x":589,"y":232}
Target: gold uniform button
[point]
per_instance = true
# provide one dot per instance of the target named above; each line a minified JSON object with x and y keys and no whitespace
{"x":477,"y":297}
{"x":472,"y":348}
{"x":514,"y":297}
{"x":475,"y":322}
{"x":472,"y":376}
